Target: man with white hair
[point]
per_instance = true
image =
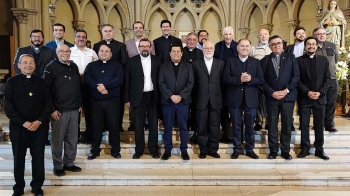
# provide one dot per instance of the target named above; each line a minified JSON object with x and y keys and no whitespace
{"x":208,"y":73}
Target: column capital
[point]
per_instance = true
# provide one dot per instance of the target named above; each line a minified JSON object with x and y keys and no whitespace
{"x":292,"y":24}
{"x":173,"y":32}
{"x":21,"y":15}
{"x":147,"y":32}
{"x":124,"y":31}
{"x":78,"y":24}
{"x":244,"y":32}
{"x":52,"y":19}
{"x":267,"y":26}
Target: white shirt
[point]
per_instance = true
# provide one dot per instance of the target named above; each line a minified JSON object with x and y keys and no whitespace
{"x":243,"y":59}
{"x":146,"y":65}
{"x":59,"y":42}
{"x":82,"y":57}
{"x":298,"y":49}
{"x":208,"y":63}
{"x":137,"y":43}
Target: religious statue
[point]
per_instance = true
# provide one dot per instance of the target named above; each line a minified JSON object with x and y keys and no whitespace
{"x":335,"y":24}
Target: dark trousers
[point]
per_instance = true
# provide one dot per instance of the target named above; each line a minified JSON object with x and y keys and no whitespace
{"x":169,"y":112}
{"x":148,"y":107}
{"x":331,"y":97}
{"x":121,"y":109}
{"x":21,"y":139}
{"x":225,"y":122}
{"x":261,"y":110}
{"x":318,"y":115}
{"x":236,"y":114}
{"x":85,"y":93}
{"x":273,"y":111}
{"x":208,"y":129}
{"x":105,"y":112}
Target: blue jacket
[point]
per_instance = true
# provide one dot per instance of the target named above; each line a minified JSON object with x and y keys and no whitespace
{"x":219,"y":49}
{"x":52,"y":44}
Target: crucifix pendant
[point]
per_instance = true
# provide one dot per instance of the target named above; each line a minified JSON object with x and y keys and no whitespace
{"x":30,"y":94}
{"x":103,"y":71}
{"x":69,"y":78}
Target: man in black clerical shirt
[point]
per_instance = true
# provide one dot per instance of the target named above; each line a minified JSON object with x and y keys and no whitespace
{"x":63,"y":80}
{"x":104,"y":78}
{"x":27,"y":105}
{"x":313,"y":87}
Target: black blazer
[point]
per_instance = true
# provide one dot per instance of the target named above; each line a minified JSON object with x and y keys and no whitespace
{"x":186,"y":57}
{"x":134,"y":79}
{"x":46,"y":56}
{"x":118,"y":51}
{"x":235,"y":88}
{"x":182,"y":85}
{"x":289,"y":48}
{"x":322,"y":78}
{"x":208,"y":86}
{"x":158,"y":44}
{"x":289,"y":76}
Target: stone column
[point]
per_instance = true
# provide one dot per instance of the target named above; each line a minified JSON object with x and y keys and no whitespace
{"x":173,"y":32}
{"x":125,"y":33}
{"x":292,"y":24}
{"x":146,"y":33}
{"x":45,"y":18}
{"x":22,"y":19}
{"x":267,"y":26}
{"x":244,"y":32}
{"x":78,"y":24}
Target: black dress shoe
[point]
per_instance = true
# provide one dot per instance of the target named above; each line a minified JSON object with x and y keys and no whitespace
{"x":321,"y":155}
{"x":257,"y":127}
{"x":92,"y":156}
{"x":272,"y":155}
{"x":59,"y":172}
{"x":303,"y":154}
{"x":19,"y":193}
{"x":252,"y":155}
{"x":136,"y":156}
{"x":214,"y":154}
{"x":38,"y":192}
{"x":72,"y":168}
{"x":116,"y":155}
{"x":184,"y":156}
{"x":202,"y":155}
{"x":331,"y":129}
{"x":155,"y":156}
{"x":166,"y":155}
{"x":234,"y":155}
{"x":286,"y":156}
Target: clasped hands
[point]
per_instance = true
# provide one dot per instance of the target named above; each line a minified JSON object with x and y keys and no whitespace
{"x":31,"y":126}
{"x":176,"y":98}
{"x":101,"y":88}
{"x":313,"y":95}
{"x":279,"y":94}
{"x":245,"y":77}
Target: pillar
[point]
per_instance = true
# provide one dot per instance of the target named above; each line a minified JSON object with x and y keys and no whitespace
{"x":22,"y":20}
{"x":244,"y":32}
{"x":292,"y":24}
{"x":45,"y":18}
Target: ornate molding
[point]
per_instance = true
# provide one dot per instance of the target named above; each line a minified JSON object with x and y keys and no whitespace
{"x":78,"y":24}
{"x":292,"y":24}
{"x":21,"y":15}
{"x":52,"y":19}
{"x":125,"y":31}
{"x":267,"y":26}
{"x":147,"y":32}
{"x":244,"y":32}
{"x":173,"y":32}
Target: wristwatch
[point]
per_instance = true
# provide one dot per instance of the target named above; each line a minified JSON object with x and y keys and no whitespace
{"x":287,"y":90}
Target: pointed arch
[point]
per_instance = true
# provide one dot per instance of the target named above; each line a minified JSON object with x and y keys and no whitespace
{"x":123,"y":8}
{"x":99,"y":7}
{"x":152,"y":11}
{"x":184,"y":8}
{"x":216,"y":10}
{"x":248,"y":11}
{"x":272,"y":7}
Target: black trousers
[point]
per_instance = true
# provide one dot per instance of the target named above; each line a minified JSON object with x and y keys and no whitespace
{"x":331,"y":97}
{"x":225,"y":122}
{"x":22,"y":139}
{"x":85,"y":93}
{"x":105,"y":112}
{"x":318,"y":115}
{"x":121,"y":108}
{"x":208,"y":129}
{"x":148,"y":107}
{"x":273,"y":111}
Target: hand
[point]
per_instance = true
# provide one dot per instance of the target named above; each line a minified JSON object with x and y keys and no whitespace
{"x":100,"y":87}
{"x":313,"y":95}
{"x":104,"y":92}
{"x":27,"y":124}
{"x":34,"y":125}
{"x":127,"y":104}
{"x":175,"y":98}
{"x":245,"y":77}
{"x":55,"y":115}
{"x":80,"y":110}
{"x":278,"y":95}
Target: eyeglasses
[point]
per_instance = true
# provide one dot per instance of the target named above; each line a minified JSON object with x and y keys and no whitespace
{"x":144,"y":46}
{"x":36,"y":37}
{"x":309,"y":44}
{"x":276,"y":44}
{"x":210,"y":48}
{"x":203,"y":35}
{"x":318,"y":34}
{"x":64,"y":51}
{"x":190,"y":39}
{"x":27,"y":63}
{"x":83,"y":37}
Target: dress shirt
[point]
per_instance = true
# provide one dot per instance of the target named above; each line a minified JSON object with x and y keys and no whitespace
{"x":243,"y":59}
{"x":146,"y":65}
{"x":199,"y":46}
{"x":298,"y":49}
{"x":137,"y":43}
{"x":82,"y":57}
{"x":208,"y":63}
{"x":59,"y":42}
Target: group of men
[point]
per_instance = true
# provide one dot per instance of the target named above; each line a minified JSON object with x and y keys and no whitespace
{"x":199,"y":86}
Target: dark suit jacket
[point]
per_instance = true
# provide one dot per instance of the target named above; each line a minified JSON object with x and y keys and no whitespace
{"x":46,"y":55}
{"x":219,"y":49}
{"x":289,"y":77}
{"x":186,"y":57}
{"x":182,"y":85}
{"x":235,"y":88}
{"x":134,"y":79}
{"x":53,"y":45}
{"x":289,"y":48}
{"x":118,"y":51}
{"x":158,"y":44}
{"x":322,"y":78}
{"x":208,"y":87}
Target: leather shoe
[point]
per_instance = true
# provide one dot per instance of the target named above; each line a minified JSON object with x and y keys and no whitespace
{"x":155,"y":156}
{"x":257,"y":127}
{"x":272,"y":155}
{"x":72,"y":169}
{"x":136,"y":156}
{"x":202,"y":155}
{"x":286,"y":156}
{"x":184,"y":156}
{"x":18,"y":194}
{"x":214,"y":155}
{"x":321,"y":155}
{"x":59,"y":172}
{"x":166,"y":155}
{"x":92,"y":156}
{"x":303,"y":154}
{"x":38,"y":192}
{"x":234,"y":155}
{"x":331,"y":129}
{"x":116,"y":155}
{"x":252,"y":155}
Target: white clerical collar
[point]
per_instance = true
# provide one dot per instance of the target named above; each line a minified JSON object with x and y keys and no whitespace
{"x":243,"y":59}
{"x":28,"y":76}
{"x":190,"y":49}
{"x":311,"y":57}
{"x":176,"y":64}
{"x":299,"y":44}
{"x":104,"y":61}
